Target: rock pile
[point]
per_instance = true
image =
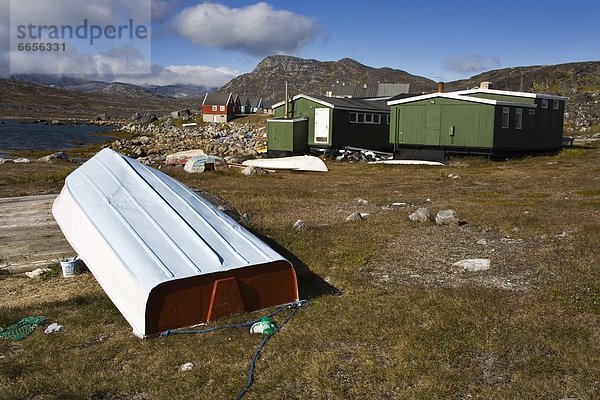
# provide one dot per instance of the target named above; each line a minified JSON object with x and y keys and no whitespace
{"x":233,"y":142}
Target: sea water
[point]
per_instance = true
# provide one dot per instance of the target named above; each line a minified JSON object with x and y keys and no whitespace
{"x":17,"y":136}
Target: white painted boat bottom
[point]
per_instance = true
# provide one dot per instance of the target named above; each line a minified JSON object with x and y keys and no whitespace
{"x":138,"y":229}
{"x":295,"y":163}
{"x":407,"y":162}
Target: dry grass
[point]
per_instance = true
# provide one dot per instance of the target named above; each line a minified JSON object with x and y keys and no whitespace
{"x":389,"y":318}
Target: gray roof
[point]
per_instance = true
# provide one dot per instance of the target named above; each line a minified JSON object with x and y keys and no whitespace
{"x":216,"y":98}
{"x":342,"y":89}
{"x":255,"y":102}
{"x":346,"y":104}
{"x":365,"y":91}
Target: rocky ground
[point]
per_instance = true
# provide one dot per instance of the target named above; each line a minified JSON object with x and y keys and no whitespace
{"x":153,"y":139}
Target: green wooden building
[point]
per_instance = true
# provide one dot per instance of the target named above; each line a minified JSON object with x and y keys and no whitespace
{"x":329,"y":123}
{"x":482,"y":121}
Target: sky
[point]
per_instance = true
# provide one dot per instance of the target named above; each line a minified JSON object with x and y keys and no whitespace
{"x":209,"y":42}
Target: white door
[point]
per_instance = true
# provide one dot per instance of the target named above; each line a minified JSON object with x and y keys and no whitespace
{"x":322,"y":125}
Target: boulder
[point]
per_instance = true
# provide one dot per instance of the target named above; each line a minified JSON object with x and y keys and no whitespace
{"x":135,"y":116}
{"x":220,"y":164}
{"x":21,"y":160}
{"x":354,"y":217}
{"x":473,"y":264}
{"x":102,"y":117}
{"x":144,"y":140}
{"x":422,"y":214}
{"x":61,"y":155}
{"x":446,"y":217}
{"x":147,"y":118}
{"x":181,"y":114}
{"x":252,"y":170}
{"x":5,"y":160}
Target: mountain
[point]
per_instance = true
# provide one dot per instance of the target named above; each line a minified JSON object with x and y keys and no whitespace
{"x":314,"y":77}
{"x":118,"y":88}
{"x":579,"y":81}
{"x":180,"y":91}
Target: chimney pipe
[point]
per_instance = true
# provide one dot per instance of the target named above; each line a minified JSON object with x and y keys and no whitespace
{"x":440,"y":87}
{"x":286,"y":100}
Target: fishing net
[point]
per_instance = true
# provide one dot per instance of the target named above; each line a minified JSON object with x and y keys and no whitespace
{"x":21,"y":329}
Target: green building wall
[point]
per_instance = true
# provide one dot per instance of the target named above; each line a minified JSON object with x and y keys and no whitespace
{"x":342,"y":132}
{"x":450,"y":123}
{"x":442,"y":122}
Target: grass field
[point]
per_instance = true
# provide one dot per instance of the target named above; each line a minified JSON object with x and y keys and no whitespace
{"x":389,"y":317}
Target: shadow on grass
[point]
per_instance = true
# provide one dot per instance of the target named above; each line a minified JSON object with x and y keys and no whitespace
{"x":310,"y":285}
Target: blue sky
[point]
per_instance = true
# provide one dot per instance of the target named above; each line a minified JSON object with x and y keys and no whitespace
{"x":210,"y":42}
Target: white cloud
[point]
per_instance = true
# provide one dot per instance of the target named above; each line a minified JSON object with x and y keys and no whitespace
{"x":198,"y":75}
{"x":470,"y":63}
{"x":256,"y":29}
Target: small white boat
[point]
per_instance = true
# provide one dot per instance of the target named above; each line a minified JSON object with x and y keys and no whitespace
{"x":295,"y":163}
{"x":165,"y":256}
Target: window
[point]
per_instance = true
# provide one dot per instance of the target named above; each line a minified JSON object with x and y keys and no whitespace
{"x":531,"y":111}
{"x":388,"y":119}
{"x":364,"y":118}
{"x":555,"y":104}
{"x":505,"y":117}
{"x":519,"y":118}
{"x":222,"y":108}
{"x":214,"y":108}
{"x":544,"y":103}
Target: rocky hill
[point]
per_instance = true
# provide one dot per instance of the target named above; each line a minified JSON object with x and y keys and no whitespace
{"x":30,"y":101}
{"x":314,"y":77}
{"x":580,"y":82}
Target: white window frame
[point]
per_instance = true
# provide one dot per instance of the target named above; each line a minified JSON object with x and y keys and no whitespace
{"x":555,"y":105}
{"x":214,"y":108}
{"x":368,"y":118}
{"x":544,"y":103}
{"x":506,"y":111}
{"x":360,"y":115}
{"x":221,"y":108}
{"x":519,"y":118}
{"x":376,"y":119}
{"x":353,"y":117}
{"x":388,"y":119}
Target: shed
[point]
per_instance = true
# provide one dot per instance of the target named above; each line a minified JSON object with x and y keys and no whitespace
{"x":482,"y":121}
{"x":165,"y":256}
{"x":335,"y":123}
{"x":287,"y":137}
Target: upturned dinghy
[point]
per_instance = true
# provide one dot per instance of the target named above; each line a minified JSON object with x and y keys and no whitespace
{"x":165,"y":256}
{"x":295,"y":163}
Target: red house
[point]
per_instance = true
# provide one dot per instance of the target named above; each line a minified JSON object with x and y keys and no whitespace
{"x":220,"y":107}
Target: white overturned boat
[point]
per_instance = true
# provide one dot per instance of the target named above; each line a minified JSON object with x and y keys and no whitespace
{"x":295,"y":163}
{"x":165,"y":256}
